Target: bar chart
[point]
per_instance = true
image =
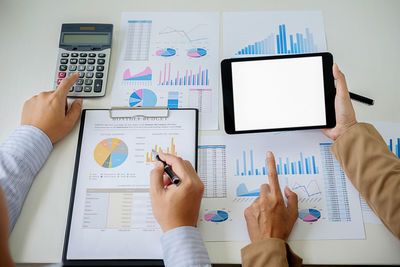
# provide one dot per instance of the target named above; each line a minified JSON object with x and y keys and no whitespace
{"x":173,"y":99}
{"x":304,"y":165}
{"x":150,"y":157}
{"x":282,"y":43}
{"x":187,"y":77}
{"x":395,"y":148}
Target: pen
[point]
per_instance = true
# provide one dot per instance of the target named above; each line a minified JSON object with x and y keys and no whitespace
{"x":362,"y":99}
{"x":172,"y":176}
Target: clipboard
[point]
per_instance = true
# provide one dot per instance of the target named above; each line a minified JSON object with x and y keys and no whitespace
{"x":75,"y":227}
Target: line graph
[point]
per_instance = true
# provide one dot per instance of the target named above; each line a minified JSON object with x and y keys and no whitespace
{"x":188,"y":35}
{"x":311,"y":189}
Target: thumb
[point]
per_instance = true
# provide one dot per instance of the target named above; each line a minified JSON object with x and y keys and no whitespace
{"x":341,"y":86}
{"x":156,"y":179}
{"x":74,"y":112}
{"x":292,"y":204}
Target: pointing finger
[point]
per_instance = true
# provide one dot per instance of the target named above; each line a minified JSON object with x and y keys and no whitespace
{"x":63,"y":88}
{"x":272,"y":175}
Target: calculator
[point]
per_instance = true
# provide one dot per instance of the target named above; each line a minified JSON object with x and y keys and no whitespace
{"x":86,"y":49}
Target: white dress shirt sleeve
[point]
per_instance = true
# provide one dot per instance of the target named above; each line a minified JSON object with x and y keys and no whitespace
{"x":184,"y":247}
{"x":21,"y":157}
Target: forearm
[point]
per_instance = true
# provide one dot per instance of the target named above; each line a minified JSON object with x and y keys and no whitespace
{"x":184,"y":247}
{"x":21,"y":157}
{"x":373,"y":169}
{"x":269,"y":252}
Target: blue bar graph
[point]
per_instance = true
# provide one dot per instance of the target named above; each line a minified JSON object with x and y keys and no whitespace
{"x":284,"y":166}
{"x":395,"y":148}
{"x":282,"y":43}
{"x":173,"y":99}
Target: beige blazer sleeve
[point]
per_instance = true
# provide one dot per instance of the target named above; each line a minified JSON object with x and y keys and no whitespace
{"x":373,"y":169}
{"x":270,"y":252}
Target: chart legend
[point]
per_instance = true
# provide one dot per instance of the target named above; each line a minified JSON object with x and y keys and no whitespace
{"x":150,"y":157}
{"x":111,"y":153}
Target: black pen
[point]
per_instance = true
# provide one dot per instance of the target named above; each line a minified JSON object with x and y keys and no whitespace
{"x":172,"y":176}
{"x":362,"y":99}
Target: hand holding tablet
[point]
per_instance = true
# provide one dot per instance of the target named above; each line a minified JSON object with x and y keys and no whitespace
{"x":275,"y":93}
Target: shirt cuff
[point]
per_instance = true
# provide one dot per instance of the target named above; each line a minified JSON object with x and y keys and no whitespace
{"x":184,"y":246}
{"x":30,"y":144}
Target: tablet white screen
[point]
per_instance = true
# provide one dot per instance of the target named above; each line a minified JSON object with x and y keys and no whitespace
{"x":278,"y":93}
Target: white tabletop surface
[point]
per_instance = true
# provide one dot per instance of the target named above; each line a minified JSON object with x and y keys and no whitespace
{"x":364,"y":37}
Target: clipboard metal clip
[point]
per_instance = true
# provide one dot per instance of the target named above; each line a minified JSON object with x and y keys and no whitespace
{"x":138,"y":112}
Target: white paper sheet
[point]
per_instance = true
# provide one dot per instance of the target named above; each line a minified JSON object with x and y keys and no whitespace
{"x":169,"y":59}
{"x":272,"y":32}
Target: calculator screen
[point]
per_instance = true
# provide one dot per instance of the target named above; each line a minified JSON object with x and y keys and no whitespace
{"x":72,"y":38}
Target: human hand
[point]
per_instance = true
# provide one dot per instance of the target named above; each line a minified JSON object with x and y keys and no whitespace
{"x":48,"y":111}
{"x":175,"y":206}
{"x":345,"y":116}
{"x":268,"y":217}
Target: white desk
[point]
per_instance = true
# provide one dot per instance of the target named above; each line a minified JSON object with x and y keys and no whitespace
{"x":363,"y":35}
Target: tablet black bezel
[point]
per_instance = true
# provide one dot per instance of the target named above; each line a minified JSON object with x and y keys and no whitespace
{"x":227,"y":92}
{"x":108,"y":262}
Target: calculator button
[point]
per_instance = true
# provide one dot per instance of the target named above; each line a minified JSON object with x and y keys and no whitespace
{"x":79,"y":82}
{"x":98,"y":85}
{"x":61,"y":74}
{"x":102,"y":55}
{"x":64,"y":55}
{"x":74,"y":61}
{"x":71,"y":89}
{"x":90,"y":61}
{"x":78,"y":88}
{"x":82,"y":61}
{"x":87,"y":89}
{"x":63,"y":67}
{"x":83,"y":54}
{"x":88,"y":82}
{"x":81,"y":68}
{"x":99,"y":75}
{"x":81,"y":74}
{"x":101,"y":61}
{"x":92,"y":55}
{"x":74,"y":54}
{"x":59,"y":81}
{"x":70,"y":73}
{"x":72,"y":67}
{"x":100,"y":68}
{"x":89,"y":74}
{"x":90,"y":68}
{"x":64,"y":61}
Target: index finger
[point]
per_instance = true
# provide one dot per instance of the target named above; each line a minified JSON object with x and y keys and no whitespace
{"x":177,"y":164}
{"x":63,"y":88}
{"x":272,"y":175}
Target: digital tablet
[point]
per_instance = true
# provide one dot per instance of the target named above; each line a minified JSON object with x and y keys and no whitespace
{"x":276,"y":93}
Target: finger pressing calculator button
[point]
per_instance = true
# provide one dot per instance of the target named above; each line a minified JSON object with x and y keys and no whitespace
{"x":98,"y":85}
{"x":87,"y":89}
{"x":74,"y":61}
{"x":61,"y":74}
{"x":72,"y":67}
{"x":74,"y":54}
{"x":70,"y":73}
{"x":64,"y":61}
{"x":71,"y":89}
{"x":90,"y":68}
{"x":92,"y":55}
{"x":83,"y":54}
{"x":101,"y":61}
{"x":81,"y":67}
{"x":99,"y":75}
{"x":63,"y":67}
{"x":88,"y":82}
{"x":78,"y":88}
{"x":59,"y":81}
{"x":79,"y":82}
{"x":82,"y":61}
{"x":90,"y":61}
{"x":102,"y":55}
{"x":89,"y":75}
{"x":100,"y":68}
{"x":64,"y":55}
{"x":81,"y":74}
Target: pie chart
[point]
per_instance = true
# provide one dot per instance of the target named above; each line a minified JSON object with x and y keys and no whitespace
{"x":111,"y":152}
{"x":167,"y":52}
{"x":216,"y":216}
{"x":197,"y":52}
{"x":143,"y":98}
{"x":309,"y":215}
